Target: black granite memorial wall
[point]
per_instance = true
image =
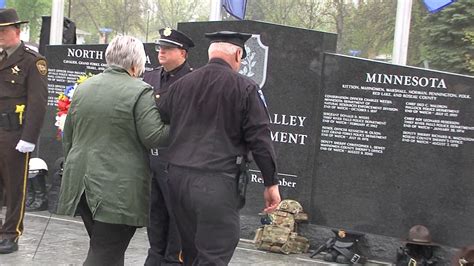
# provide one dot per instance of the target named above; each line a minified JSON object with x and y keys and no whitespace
{"x":65,"y":64}
{"x":395,"y":150}
{"x":363,"y":145}
{"x":286,"y":62}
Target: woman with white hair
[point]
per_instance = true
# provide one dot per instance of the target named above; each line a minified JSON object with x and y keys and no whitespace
{"x":110,"y":127}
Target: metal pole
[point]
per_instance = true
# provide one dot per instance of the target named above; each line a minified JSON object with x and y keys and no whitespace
{"x":402,"y":32}
{"x":42,"y":235}
{"x":57,"y":20}
{"x":216,"y":10}
{"x":147,"y":24}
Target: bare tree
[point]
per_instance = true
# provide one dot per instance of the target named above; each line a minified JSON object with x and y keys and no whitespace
{"x":135,"y":17}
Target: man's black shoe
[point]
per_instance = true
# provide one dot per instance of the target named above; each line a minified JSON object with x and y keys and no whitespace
{"x":8,"y":246}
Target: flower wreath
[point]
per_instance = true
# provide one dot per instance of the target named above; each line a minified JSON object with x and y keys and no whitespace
{"x":64,"y":101}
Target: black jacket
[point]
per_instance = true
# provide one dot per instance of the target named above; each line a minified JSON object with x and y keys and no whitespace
{"x":215,"y":115}
{"x":160,"y":80}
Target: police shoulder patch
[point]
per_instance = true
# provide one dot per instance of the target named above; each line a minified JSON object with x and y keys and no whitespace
{"x":264,"y":102}
{"x":260,"y":94}
{"x":42,"y":67}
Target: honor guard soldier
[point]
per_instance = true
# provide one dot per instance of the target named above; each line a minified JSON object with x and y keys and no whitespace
{"x":216,"y":116}
{"x":163,"y":235}
{"x":23,"y":99}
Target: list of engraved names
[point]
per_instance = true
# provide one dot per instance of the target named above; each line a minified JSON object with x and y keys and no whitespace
{"x":421,"y":108}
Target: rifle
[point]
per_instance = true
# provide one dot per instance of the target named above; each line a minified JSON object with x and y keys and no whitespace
{"x":329,"y":244}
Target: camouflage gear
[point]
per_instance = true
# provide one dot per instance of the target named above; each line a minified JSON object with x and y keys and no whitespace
{"x":291,"y":206}
{"x":295,"y":244}
{"x":281,"y":235}
{"x":284,"y":219}
{"x":275,"y":234}
{"x":301,"y":217}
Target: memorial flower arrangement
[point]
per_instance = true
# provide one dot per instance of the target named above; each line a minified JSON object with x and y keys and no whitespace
{"x":64,"y":101}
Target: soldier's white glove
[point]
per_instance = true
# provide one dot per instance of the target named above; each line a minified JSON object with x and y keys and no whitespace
{"x":24,"y":146}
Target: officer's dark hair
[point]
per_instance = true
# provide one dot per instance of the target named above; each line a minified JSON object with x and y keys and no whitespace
{"x":17,"y":26}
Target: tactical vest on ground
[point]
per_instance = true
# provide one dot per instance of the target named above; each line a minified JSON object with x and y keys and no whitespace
{"x":279,"y":234}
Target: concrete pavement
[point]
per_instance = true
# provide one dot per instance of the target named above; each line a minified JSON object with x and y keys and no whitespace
{"x":65,"y":242}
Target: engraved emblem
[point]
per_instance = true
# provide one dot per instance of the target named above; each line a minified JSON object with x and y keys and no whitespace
{"x":254,"y":65}
{"x":167,"y":32}
{"x":42,"y":67}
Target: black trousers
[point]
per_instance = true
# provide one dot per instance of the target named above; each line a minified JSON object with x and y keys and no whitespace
{"x":205,"y":206}
{"x":13,"y":176}
{"x":108,"y":242}
{"x":163,"y":235}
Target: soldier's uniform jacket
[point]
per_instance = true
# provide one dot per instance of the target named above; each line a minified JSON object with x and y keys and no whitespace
{"x":217,"y":115}
{"x":23,"y":79}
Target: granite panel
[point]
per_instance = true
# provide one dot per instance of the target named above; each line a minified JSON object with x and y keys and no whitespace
{"x":395,"y":150}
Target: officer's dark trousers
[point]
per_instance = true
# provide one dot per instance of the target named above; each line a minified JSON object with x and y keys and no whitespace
{"x":163,"y":235}
{"x":205,"y":206}
{"x":13,"y":175}
{"x":108,"y":242}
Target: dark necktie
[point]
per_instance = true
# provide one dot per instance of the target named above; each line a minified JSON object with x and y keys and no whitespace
{"x":3,"y":57}
{"x":166,"y":77}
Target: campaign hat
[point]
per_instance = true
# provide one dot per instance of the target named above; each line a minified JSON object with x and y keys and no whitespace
{"x":420,"y":235}
{"x":8,"y":17}
{"x":465,"y":256}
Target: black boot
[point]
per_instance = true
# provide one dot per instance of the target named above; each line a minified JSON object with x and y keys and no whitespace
{"x":8,"y":246}
{"x":41,"y":198}
{"x":30,"y":195}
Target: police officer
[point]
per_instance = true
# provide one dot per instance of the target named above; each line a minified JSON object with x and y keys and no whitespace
{"x":165,"y":246}
{"x":216,"y":115}
{"x":23,"y":99}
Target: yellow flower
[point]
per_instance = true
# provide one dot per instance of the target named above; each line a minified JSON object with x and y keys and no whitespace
{"x":20,"y":108}
{"x":83,"y":78}
{"x":61,"y":97}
